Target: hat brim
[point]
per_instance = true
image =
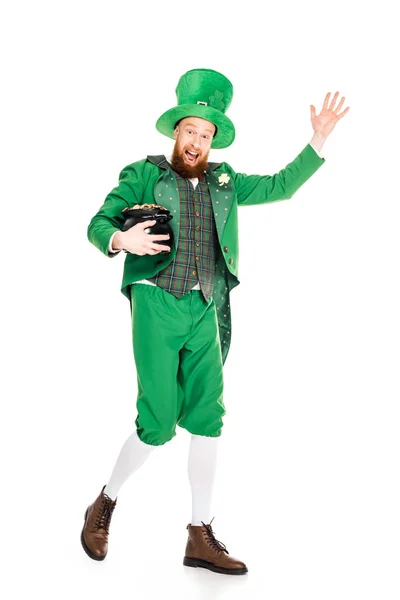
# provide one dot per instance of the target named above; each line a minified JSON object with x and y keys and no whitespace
{"x":226,"y":129}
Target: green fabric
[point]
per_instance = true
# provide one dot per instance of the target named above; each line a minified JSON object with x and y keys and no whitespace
{"x":142,"y":182}
{"x":202,"y":93}
{"x":178,"y":362}
{"x":198,"y":238}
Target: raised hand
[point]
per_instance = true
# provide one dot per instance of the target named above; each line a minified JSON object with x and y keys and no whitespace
{"x":329,"y":115}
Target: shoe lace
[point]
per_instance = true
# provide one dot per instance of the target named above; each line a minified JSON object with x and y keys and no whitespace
{"x":104,"y":514}
{"x":211,"y":539}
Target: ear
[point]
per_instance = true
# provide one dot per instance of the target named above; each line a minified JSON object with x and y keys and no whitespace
{"x":176,"y":131}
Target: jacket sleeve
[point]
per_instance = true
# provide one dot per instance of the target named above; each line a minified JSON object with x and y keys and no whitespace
{"x":109,"y":218}
{"x":259,"y":189}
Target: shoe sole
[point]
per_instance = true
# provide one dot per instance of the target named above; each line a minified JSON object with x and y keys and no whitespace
{"x":205,"y":564}
{"x":85,"y":547}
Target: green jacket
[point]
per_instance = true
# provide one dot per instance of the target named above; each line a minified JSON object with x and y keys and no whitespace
{"x":143,"y":182}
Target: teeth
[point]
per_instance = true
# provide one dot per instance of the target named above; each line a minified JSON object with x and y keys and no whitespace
{"x":192,"y":153}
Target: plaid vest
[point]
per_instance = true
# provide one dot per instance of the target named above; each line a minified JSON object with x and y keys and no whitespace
{"x":195,"y":259}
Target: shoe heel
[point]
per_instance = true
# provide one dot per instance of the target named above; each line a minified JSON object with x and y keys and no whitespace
{"x":190,"y":562}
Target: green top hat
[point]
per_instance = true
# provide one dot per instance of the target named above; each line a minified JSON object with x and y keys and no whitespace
{"x":202,"y":93}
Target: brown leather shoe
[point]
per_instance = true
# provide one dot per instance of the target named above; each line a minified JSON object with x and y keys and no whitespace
{"x":94,"y":536}
{"x":203,"y":550}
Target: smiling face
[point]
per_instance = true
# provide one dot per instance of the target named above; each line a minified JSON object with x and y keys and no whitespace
{"x":193,"y":138}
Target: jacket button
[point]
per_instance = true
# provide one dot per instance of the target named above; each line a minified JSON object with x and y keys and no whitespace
{"x":226,"y":249}
{"x":159,"y":262}
{"x":230,"y":261}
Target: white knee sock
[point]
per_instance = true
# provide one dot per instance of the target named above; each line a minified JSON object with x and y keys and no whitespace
{"x":202,"y":464}
{"x":133,"y":454}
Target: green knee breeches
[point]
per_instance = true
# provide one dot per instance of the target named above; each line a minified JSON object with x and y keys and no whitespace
{"x":178,"y":362}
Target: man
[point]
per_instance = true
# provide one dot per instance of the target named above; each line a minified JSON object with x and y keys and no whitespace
{"x":181,"y":323}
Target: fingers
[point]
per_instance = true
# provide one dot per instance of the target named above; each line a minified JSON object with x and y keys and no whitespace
{"x":326,"y":101}
{"x":339,"y":106}
{"x":333,"y":102}
{"x":155,"y":236}
{"x":159,"y":236}
{"x":156,"y":246}
{"x":145,"y":224}
{"x":155,"y":249}
{"x":344,"y":112}
{"x":331,"y":106}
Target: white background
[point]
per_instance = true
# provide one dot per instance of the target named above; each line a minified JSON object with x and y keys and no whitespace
{"x":308,"y":491}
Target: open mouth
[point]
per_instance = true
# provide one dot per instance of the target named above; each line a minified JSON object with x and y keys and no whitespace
{"x":191,"y":157}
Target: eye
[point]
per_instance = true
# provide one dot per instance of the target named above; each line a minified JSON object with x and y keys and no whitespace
{"x":190,"y":131}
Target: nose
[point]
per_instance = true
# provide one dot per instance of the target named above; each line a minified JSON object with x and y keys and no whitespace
{"x":196,"y":142}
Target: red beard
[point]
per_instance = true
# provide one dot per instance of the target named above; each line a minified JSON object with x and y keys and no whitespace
{"x":184,"y":169}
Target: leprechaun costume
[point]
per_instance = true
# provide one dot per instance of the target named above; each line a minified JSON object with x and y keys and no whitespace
{"x":180,"y":304}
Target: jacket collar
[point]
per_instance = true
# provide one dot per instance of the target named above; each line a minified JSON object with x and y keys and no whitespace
{"x":162,"y":162}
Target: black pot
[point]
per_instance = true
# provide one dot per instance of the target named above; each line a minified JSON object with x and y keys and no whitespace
{"x":159,"y":213}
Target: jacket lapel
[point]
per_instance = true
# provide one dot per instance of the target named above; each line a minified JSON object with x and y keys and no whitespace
{"x":166,"y":193}
{"x":222,"y":194}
